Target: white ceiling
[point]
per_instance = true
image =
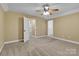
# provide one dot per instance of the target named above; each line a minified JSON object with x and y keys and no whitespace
{"x":30,"y":8}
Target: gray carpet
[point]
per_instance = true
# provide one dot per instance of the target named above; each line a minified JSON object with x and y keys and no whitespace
{"x":44,"y":46}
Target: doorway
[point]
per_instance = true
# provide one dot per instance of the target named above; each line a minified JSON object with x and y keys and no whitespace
{"x":29,"y":28}
{"x":50,"y":27}
{"x":26,"y":29}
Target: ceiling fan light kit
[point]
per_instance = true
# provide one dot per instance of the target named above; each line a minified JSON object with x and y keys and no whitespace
{"x":46,"y":8}
{"x":46,"y":13}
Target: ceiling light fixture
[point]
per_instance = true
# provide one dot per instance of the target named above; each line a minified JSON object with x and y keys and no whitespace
{"x":46,"y":13}
{"x":46,"y":8}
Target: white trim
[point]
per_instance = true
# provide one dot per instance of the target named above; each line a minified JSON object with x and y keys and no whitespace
{"x":9,"y":42}
{"x":50,"y":29}
{"x":41,"y":36}
{"x":12,"y":41}
{"x":71,"y":41}
{"x":1,"y":48}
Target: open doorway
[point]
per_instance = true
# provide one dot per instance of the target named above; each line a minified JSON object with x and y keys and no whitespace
{"x":27,"y":28}
{"x":50,"y":27}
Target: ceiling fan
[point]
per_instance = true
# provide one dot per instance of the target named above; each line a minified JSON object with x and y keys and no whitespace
{"x":47,"y":10}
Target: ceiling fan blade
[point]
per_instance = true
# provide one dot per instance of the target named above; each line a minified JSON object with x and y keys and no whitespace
{"x":55,"y":9}
{"x":38,"y":10}
{"x":50,"y":13}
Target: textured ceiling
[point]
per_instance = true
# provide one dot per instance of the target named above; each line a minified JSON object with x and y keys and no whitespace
{"x":30,"y":8}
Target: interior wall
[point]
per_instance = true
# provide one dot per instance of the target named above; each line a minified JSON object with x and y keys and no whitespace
{"x":12,"y":26}
{"x":41,"y":27}
{"x":33,"y":27}
{"x":1,"y":28}
{"x":21,"y":28}
{"x":67,"y":27}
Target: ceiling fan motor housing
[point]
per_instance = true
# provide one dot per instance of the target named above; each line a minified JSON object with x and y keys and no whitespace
{"x":46,"y":7}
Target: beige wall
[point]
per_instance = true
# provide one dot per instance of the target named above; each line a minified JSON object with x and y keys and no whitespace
{"x":1,"y":27}
{"x":21,"y":28}
{"x":41,"y":27}
{"x":13,"y":26}
{"x":67,"y":27}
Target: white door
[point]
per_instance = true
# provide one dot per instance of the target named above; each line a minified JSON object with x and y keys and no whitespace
{"x":50,"y":27}
{"x":27,"y":29}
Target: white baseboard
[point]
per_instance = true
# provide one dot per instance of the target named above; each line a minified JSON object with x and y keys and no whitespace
{"x":71,"y":41}
{"x":41,"y":36}
{"x":8,"y":43}
{"x":12,"y":41}
{"x":1,"y":48}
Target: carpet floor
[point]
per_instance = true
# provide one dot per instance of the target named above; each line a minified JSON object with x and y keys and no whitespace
{"x":44,"y":46}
